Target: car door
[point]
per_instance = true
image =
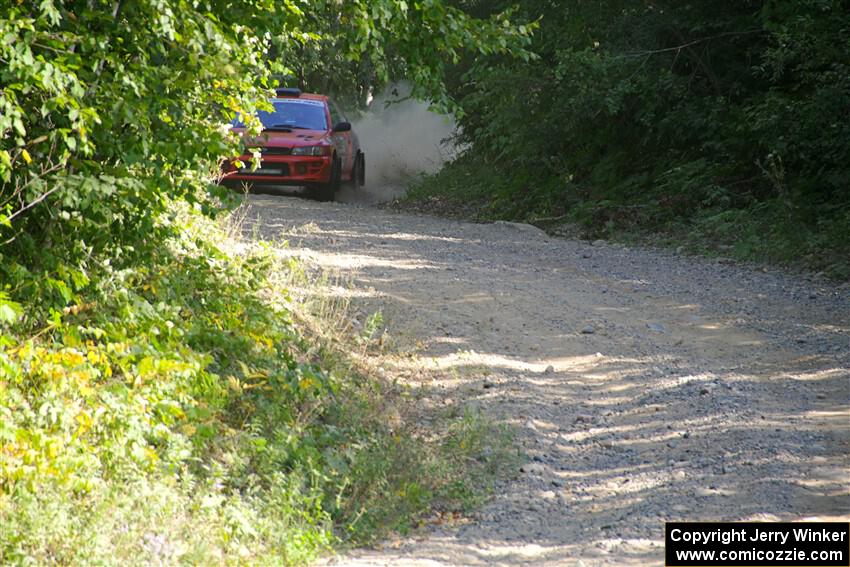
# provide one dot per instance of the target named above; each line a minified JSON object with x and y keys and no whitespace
{"x":342,"y":140}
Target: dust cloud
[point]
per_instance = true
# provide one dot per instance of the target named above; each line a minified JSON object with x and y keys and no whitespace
{"x":401,"y":140}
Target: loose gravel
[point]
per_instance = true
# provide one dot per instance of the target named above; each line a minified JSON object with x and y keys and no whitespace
{"x":644,"y":386}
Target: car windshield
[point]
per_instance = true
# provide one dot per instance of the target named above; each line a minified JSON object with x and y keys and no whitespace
{"x":296,"y":114}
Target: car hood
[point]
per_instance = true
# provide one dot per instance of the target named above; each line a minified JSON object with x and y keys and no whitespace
{"x":272,"y":138}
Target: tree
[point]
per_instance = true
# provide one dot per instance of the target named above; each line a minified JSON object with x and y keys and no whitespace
{"x":655,"y":113}
{"x":109,"y":109}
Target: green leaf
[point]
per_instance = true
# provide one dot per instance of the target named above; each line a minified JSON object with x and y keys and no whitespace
{"x":10,"y":311}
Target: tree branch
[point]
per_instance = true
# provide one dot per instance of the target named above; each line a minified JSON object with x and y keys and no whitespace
{"x":690,"y":43}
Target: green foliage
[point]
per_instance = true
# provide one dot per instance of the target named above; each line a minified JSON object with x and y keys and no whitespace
{"x":179,"y":415}
{"x":172,"y":391}
{"x":109,"y":110}
{"x":158,"y":406}
{"x":652,"y":116}
{"x":354,"y":48}
{"x":373,"y":325}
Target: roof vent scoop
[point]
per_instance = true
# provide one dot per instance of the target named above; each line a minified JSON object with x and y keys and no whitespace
{"x":282,"y":92}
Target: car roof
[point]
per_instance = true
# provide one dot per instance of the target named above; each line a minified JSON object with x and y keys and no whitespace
{"x":314,"y":96}
{"x":308,"y":96}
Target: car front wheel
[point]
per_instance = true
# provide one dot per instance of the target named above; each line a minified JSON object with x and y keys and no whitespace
{"x":327,"y":191}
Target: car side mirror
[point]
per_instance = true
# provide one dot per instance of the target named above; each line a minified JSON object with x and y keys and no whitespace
{"x":342,"y":127}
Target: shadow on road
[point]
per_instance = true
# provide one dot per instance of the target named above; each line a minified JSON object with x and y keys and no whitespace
{"x":644,"y":387}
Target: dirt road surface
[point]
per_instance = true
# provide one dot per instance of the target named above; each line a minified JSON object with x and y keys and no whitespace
{"x":644,"y":386}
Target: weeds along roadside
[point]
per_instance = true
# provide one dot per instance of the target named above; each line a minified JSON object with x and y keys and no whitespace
{"x":768,"y":232}
{"x":418,"y":466}
{"x":193,"y":410}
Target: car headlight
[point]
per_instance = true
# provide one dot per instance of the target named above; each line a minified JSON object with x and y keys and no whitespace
{"x":311,"y":151}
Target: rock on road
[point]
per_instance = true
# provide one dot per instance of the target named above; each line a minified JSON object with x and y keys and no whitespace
{"x":644,"y":386}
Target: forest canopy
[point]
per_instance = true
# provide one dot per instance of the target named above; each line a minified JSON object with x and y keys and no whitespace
{"x":110,"y":108}
{"x":728,"y":122}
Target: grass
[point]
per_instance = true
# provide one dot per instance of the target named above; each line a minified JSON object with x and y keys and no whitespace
{"x":767,"y":232}
{"x":214,"y":406}
{"x":409,"y":474}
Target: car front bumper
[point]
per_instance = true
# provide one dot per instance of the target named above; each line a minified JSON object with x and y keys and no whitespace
{"x":280,"y":170}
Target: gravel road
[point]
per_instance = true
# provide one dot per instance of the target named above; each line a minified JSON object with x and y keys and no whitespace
{"x":645,"y":386}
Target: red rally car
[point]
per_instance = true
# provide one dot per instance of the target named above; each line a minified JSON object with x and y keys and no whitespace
{"x":306,"y":141}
